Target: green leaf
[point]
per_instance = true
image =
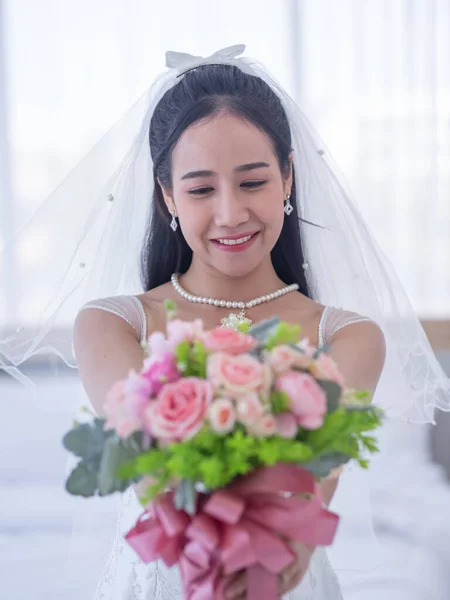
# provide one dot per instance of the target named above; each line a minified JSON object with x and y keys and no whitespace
{"x":82,"y":481}
{"x":261,"y":330}
{"x":185,"y":497}
{"x":279,"y":401}
{"x":285,"y":334}
{"x":115,"y":454}
{"x":321,"y":467}
{"x":333,"y":392}
{"x":87,"y":440}
{"x":182,"y":352}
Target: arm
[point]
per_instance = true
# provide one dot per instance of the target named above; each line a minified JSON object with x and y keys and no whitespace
{"x":359,"y":350}
{"x":106,"y":349}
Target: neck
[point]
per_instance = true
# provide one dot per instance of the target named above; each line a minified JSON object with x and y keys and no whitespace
{"x":203,"y":280}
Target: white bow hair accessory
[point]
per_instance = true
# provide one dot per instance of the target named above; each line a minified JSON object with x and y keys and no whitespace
{"x":182,"y":61}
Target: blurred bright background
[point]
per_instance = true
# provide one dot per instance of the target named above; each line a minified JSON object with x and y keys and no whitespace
{"x":373,"y":76}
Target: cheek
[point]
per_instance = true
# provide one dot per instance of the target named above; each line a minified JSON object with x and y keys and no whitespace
{"x":270,"y":212}
{"x":194,"y":220}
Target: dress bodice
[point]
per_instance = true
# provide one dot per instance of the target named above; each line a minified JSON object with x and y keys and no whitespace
{"x":130,"y":309}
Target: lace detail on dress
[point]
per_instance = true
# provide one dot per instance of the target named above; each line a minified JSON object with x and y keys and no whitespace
{"x":129,"y":308}
{"x":333,"y":319}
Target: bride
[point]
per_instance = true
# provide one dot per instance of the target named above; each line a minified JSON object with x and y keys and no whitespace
{"x":226,"y":202}
{"x":225,"y":217}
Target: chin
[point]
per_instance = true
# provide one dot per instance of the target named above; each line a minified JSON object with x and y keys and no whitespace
{"x":240,"y":268}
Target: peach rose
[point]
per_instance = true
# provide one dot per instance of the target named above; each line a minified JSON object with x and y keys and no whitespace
{"x":308,"y":401}
{"x":265,"y":426}
{"x":324,"y":367}
{"x":249,"y":408}
{"x":282,"y":358}
{"x":222,"y":415}
{"x":223,"y":339}
{"x":236,"y":375}
{"x":180,"y":409}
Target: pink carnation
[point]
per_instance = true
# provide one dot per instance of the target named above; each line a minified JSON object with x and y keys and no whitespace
{"x":223,"y":339}
{"x":180,"y":409}
{"x":125,"y":404}
{"x":308,"y":401}
{"x":159,"y":372}
{"x":157,"y":346}
{"x":235,"y":375}
{"x":178,"y":331}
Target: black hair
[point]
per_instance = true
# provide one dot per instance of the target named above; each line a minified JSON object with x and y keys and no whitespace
{"x":202,"y":93}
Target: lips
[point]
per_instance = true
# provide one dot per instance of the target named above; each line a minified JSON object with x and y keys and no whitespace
{"x":236,"y":242}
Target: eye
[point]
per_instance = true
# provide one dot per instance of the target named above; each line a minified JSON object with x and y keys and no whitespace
{"x":253,"y":184}
{"x":200,"y":191}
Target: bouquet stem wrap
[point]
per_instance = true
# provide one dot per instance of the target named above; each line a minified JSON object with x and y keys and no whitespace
{"x":243,"y":526}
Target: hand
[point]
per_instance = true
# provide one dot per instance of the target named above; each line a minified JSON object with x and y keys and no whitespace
{"x":287,"y":579}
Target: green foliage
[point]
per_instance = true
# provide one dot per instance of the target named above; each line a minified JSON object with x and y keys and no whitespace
{"x":333,"y":392}
{"x":279,"y":401}
{"x":283,"y":334}
{"x":191,"y":358}
{"x":101,"y":453}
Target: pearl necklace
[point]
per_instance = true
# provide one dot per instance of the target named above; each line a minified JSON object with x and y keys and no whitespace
{"x":233,"y":321}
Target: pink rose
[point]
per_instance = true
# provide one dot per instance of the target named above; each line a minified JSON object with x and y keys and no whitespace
{"x":265,"y":426}
{"x":282,"y":358}
{"x":125,"y":404}
{"x":159,"y":372}
{"x":286,"y":425}
{"x":223,"y":339}
{"x":308,"y":401}
{"x":236,"y":375}
{"x":324,"y":367}
{"x":180,"y":409}
{"x":222,"y":415}
{"x":178,"y":331}
{"x":249,"y":408}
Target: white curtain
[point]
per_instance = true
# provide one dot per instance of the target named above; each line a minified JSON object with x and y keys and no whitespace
{"x":372,"y":75}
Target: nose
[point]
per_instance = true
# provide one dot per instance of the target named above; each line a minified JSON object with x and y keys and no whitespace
{"x":230,"y":211}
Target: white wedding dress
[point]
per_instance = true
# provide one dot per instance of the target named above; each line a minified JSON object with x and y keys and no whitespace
{"x":125,"y":576}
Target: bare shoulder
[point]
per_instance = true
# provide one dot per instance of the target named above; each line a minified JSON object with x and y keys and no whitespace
{"x":360,"y":351}
{"x":106,"y":348}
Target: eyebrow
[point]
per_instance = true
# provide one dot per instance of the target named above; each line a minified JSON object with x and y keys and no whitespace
{"x":239,"y":169}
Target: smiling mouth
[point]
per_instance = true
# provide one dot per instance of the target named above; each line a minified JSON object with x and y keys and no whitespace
{"x":237,"y":241}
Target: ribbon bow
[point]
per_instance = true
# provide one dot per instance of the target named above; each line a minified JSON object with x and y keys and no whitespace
{"x":182,"y":61}
{"x":241,"y":527}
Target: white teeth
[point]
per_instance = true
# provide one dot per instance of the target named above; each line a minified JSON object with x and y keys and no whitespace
{"x":234,"y":242}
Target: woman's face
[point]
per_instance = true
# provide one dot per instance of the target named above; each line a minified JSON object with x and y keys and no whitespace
{"x":228,"y":193}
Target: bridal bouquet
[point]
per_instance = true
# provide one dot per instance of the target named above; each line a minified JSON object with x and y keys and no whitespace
{"x":225,"y":436}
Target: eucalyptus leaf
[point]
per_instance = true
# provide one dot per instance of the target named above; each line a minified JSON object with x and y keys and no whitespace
{"x":116,"y":452}
{"x":87,"y":440}
{"x":322,"y":466}
{"x":82,"y":481}
{"x":333,"y":392}
{"x":186,"y":496}
{"x":262,"y":330}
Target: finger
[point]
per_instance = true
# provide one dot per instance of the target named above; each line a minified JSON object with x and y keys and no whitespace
{"x":289,"y":581}
{"x":237,"y":588}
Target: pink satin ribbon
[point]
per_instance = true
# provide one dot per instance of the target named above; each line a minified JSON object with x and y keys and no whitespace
{"x":236,"y":528}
